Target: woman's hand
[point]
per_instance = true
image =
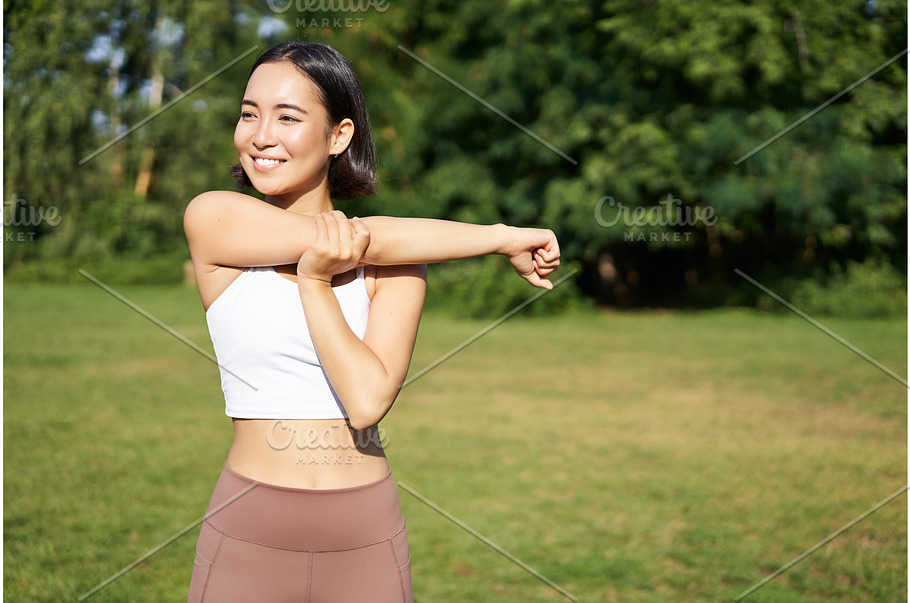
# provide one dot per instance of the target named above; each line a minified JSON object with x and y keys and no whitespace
{"x":534,"y":254}
{"x":339,"y":247}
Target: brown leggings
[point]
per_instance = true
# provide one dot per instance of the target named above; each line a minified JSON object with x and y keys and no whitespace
{"x":261,"y":542}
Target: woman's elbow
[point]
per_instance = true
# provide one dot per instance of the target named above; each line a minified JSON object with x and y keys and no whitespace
{"x":366,"y":413}
{"x":363,"y":418}
{"x":359,"y":422}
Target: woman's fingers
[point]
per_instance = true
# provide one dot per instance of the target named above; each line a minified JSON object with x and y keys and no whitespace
{"x":361,"y":237}
{"x":341,"y":239}
{"x":535,"y":255}
{"x":351,"y":237}
{"x":343,"y":225}
{"x":339,"y":246}
{"x":546,"y":257}
{"x":332,"y":235}
{"x":549,"y":252}
{"x":322,"y":234}
{"x":536,"y":279}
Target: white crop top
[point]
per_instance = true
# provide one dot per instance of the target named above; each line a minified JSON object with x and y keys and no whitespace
{"x":269,"y":368}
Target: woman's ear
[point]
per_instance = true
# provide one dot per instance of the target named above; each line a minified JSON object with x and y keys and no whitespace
{"x":341,"y":137}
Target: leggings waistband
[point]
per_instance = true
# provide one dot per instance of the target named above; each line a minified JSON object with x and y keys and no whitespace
{"x":305,"y":520}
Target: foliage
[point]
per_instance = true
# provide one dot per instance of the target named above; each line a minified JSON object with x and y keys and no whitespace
{"x":79,"y":77}
{"x":632,"y":100}
{"x":873,"y":288}
{"x":488,"y":287}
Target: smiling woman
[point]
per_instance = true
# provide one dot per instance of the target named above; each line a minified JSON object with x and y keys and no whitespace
{"x":313,"y":318}
{"x":351,"y":171}
{"x":284,"y":136}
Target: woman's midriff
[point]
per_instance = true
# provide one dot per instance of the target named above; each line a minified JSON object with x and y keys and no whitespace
{"x":307,"y":453}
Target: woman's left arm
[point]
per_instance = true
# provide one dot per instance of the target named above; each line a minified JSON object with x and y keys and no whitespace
{"x":367,"y":375}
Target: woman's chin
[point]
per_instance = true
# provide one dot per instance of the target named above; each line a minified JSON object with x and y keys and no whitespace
{"x":268,"y":188}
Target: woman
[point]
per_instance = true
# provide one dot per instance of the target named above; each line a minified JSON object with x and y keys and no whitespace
{"x":313,"y":318}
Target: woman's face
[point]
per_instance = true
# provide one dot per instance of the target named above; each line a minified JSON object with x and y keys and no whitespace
{"x":283,"y":136}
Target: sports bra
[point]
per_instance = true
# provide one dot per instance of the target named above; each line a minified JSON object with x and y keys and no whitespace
{"x":269,"y":367}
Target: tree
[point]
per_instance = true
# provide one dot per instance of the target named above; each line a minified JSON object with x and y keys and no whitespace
{"x":620,"y":106}
{"x":97,"y":127}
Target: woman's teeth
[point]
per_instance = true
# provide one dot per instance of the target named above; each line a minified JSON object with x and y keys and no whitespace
{"x":266,"y":162}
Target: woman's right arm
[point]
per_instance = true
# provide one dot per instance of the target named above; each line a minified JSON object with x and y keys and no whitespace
{"x":226,"y":228}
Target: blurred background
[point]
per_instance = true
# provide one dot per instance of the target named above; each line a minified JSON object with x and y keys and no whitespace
{"x":640,"y":101}
{"x":655,"y":429}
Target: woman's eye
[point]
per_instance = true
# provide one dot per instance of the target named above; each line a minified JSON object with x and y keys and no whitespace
{"x":246,"y":115}
{"x":288,"y":119}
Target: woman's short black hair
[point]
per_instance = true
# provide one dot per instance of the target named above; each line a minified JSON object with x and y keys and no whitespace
{"x":353,"y":172}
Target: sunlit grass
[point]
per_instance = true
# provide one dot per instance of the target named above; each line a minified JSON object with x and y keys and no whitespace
{"x":629,"y":457}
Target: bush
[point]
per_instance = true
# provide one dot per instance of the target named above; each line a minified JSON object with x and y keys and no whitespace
{"x":164,"y":269}
{"x":871,"y":289}
{"x":488,"y":288}
{"x":121,"y":240}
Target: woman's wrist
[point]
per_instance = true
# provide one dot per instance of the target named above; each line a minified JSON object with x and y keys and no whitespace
{"x":503,"y":235}
{"x":507,"y":239}
{"x":313,"y":280}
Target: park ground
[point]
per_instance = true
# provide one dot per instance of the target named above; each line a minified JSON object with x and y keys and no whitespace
{"x":642,"y":456}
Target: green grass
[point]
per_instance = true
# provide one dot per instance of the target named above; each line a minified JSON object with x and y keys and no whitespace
{"x":627,"y":457}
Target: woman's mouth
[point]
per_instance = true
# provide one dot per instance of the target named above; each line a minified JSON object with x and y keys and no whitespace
{"x":265,"y":163}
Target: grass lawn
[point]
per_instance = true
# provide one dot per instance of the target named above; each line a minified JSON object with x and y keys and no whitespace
{"x":626,"y":457}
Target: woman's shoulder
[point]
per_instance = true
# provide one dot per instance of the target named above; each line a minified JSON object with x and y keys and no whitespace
{"x":207,"y":209}
{"x":210,"y":199}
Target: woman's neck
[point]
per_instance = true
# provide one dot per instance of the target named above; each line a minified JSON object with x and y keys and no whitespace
{"x":309,"y":203}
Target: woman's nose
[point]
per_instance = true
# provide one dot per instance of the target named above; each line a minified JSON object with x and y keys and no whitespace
{"x":265,"y":135}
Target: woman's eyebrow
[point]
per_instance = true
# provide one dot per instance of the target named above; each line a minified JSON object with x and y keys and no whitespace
{"x":278,"y":106}
{"x":289,"y":106}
